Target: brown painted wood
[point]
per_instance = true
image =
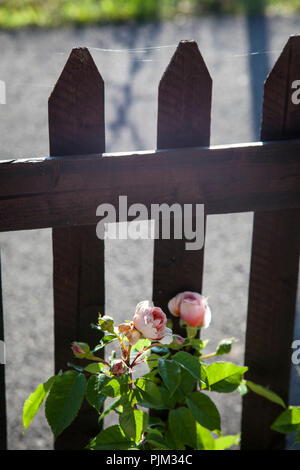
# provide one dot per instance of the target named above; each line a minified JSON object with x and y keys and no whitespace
{"x":184,"y":104}
{"x":242,"y":163}
{"x":184,"y":100}
{"x":76,"y":126}
{"x":274,"y":270}
{"x":66,"y":191}
{"x":184,"y":107}
{"x":3,"y":420}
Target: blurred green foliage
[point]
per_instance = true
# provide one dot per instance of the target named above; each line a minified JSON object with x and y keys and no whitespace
{"x":52,"y":13}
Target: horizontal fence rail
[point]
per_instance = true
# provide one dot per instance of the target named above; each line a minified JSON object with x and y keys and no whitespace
{"x":54,"y":192}
{"x":64,"y":190}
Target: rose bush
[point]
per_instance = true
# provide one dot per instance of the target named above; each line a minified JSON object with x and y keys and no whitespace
{"x":176,"y":385}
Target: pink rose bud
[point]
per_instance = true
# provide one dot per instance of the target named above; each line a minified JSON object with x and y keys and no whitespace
{"x":117,"y":367}
{"x":151,"y":322}
{"x":192,"y":308}
{"x":178,"y":339}
{"x":80,"y":350}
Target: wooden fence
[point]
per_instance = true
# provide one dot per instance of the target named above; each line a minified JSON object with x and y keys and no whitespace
{"x":64,"y":190}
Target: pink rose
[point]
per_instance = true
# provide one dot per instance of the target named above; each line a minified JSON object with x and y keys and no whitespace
{"x":192,"y":308}
{"x":151,"y":322}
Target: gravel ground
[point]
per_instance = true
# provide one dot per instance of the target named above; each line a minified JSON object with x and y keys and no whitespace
{"x":239,"y":53}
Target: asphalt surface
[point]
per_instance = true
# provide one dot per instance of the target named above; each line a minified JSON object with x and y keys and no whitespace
{"x":239,"y":52}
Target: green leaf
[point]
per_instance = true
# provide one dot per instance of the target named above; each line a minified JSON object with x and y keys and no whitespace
{"x":100,"y":381}
{"x":64,"y":400}
{"x":35,"y":400}
{"x":129,"y":400}
{"x":266,"y":393}
{"x":75,"y":367}
{"x":104,"y":342}
{"x":170,"y":400}
{"x":139,"y":345}
{"x":162,"y":350}
{"x":189,"y":362}
{"x":183,"y":426}
{"x":133,"y":423}
{"x":93,"y":391}
{"x":95,"y":368}
{"x":224,"y":347}
{"x":226,"y":442}
{"x":155,"y":438}
{"x":112,"y":406}
{"x":204,"y":439}
{"x":188,"y":382}
{"x":224,"y":377}
{"x":197,"y":344}
{"x":170,"y":373}
{"x":288,"y":421}
{"x":111,"y":438}
{"x":156,"y":423}
{"x":152,"y":361}
{"x":204,"y":411}
{"x":96,"y":327}
{"x":150,"y":394}
{"x":171,"y":441}
{"x":298,"y":437}
{"x":124,"y":383}
{"x":112,"y":388}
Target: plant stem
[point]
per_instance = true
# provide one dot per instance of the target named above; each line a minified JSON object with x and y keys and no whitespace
{"x":142,"y":351}
{"x":208,"y":356}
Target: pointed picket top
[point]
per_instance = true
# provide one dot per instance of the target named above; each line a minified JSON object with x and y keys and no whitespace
{"x":184,"y":100}
{"x":76,"y":107}
{"x":281,"y":105}
{"x":76,"y":126}
{"x":184,"y":107}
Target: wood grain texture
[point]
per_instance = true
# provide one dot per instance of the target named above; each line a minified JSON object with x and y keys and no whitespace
{"x":66,"y":191}
{"x":76,"y":126}
{"x":3,"y":421}
{"x":274,"y":271}
{"x":184,"y":107}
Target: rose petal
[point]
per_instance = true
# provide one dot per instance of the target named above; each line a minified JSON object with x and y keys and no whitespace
{"x":168,"y":337}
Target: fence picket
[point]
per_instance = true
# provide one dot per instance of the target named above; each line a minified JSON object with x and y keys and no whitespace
{"x":184,"y":107}
{"x":3,"y":422}
{"x":274,"y":270}
{"x":76,"y":126}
